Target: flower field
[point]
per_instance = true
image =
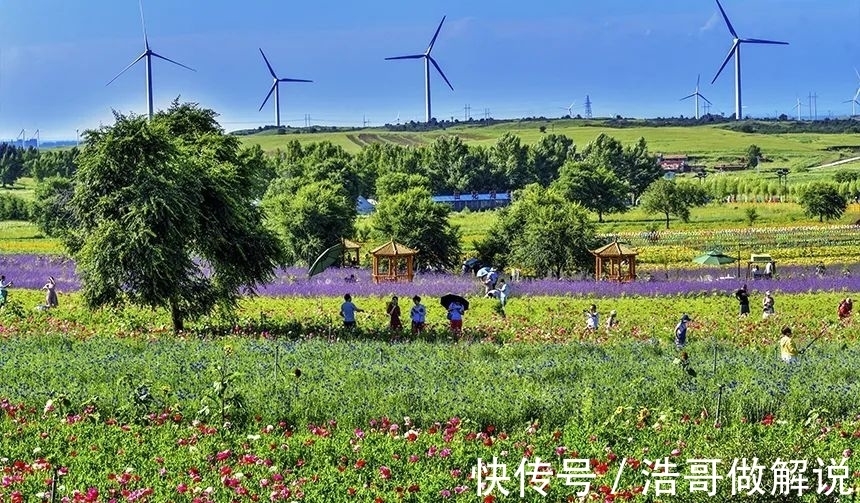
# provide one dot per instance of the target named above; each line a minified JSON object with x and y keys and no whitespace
{"x":285,"y":405}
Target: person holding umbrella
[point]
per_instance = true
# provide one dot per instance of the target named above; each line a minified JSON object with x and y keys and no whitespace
{"x":456,"y":306}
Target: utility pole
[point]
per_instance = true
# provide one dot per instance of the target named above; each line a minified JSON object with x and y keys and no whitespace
{"x":815,"y":105}
{"x":364,"y":121}
{"x":587,"y":107}
{"x":486,"y":113}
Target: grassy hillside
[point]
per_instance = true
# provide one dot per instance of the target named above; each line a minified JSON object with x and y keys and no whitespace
{"x":711,"y":144}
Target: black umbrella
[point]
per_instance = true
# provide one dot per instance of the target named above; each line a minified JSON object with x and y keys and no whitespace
{"x":449,"y":299}
{"x":328,"y":258}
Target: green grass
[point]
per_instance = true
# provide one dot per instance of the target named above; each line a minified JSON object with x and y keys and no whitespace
{"x":25,"y":237}
{"x":711,"y":144}
{"x":23,"y":188}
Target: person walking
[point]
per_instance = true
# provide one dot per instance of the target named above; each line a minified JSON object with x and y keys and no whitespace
{"x":418,"y":313}
{"x":4,"y":293}
{"x":455,"y":316}
{"x":393,"y":312}
{"x":743,"y":300}
{"x":681,"y":332}
{"x":592,"y":318}
{"x":767,"y":305}
{"x":502,"y":287}
{"x":844,"y":309}
{"x":787,"y":351}
{"x":612,"y":320}
{"x":50,"y":288}
{"x":348,"y":310}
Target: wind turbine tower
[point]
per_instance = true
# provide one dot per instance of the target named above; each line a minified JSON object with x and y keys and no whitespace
{"x":697,"y":95}
{"x":148,"y":53}
{"x":854,"y":101}
{"x":275,"y":89}
{"x":799,"y":108}
{"x":427,"y":60}
{"x":736,"y":52}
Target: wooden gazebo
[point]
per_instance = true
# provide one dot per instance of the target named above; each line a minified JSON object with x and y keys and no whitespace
{"x":393,"y":262}
{"x":351,"y":255}
{"x":615,"y":261}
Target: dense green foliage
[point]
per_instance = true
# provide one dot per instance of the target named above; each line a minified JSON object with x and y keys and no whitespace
{"x":151,"y":200}
{"x":673,"y":198}
{"x":824,"y":201}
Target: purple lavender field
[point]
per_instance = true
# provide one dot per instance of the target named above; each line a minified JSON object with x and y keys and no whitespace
{"x":32,"y":271}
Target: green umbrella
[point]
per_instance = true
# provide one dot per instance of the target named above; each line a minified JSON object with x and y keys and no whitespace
{"x":326,"y":259}
{"x":714,"y":258}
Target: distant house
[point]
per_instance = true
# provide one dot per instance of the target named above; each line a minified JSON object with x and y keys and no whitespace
{"x":674,"y":163}
{"x":364,"y":206}
{"x":475,"y":201}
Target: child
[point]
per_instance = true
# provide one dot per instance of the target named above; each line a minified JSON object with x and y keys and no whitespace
{"x":347,"y":312}
{"x":51,"y":293}
{"x":455,"y":314}
{"x":393,"y":311}
{"x":418,"y":315}
{"x":767,"y":306}
{"x":845,"y":307}
{"x":612,"y":321}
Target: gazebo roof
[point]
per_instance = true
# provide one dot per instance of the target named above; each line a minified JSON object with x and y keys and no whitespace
{"x":351,"y":245}
{"x":614,"y":249}
{"x":392,"y":249}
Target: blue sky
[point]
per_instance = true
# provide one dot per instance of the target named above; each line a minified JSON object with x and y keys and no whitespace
{"x":634,"y":58}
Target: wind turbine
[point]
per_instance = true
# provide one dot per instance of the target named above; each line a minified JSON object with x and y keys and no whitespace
{"x":427,"y":60}
{"x":736,"y":52}
{"x":697,"y":95}
{"x":853,"y":100}
{"x":274,"y":89}
{"x":799,"y":108}
{"x":148,"y":53}
{"x":569,"y":108}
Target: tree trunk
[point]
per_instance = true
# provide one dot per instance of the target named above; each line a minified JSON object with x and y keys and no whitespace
{"x":176,"y":317}
{"x":667,"y":220}
{"x":600,"y":216}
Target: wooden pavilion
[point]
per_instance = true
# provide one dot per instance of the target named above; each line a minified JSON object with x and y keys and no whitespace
{"x":393,"y":262}
{"x":615,"y":262}
{"x":351,"y":257}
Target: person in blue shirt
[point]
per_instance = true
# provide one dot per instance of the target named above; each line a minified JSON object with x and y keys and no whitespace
{"x":681,"y":332}
{"x":348,"y":310}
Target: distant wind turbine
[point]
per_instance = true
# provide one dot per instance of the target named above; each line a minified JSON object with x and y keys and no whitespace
{"x":798,"y":108}
{"x":275,"y":89}
{"x":148,"y":53}
{"x":854,"y":101}
{"x":696,"y":94}
{"x":736,"y":52}
{"x":427,"y":60}
{"x":569,"y":108}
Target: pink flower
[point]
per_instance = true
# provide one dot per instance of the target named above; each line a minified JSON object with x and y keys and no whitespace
{"x":444,"y":453}
{"x":445,"y":493}
{"x":847,"y":453}
{"x":359,"y":433}
{"x":413,"y":458}
{"x":676,"y":452}
{"x":385,"y":472}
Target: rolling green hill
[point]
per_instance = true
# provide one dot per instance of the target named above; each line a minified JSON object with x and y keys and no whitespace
{"x":709,"y":144}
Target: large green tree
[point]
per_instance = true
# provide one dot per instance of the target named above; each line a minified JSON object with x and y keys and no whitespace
{"x":163,"y":215}
{"x":640,"y":169}
{"x":413,"y":219}
{"x":309,"y":218}
{"x":673,"y":198}
{"x":823,"y":200}
{"x":594,"y":187}
{"x":548,"y":155}
{"x":542,"y":231}
{"x":511,"y":158}
{"x":51,"y":212}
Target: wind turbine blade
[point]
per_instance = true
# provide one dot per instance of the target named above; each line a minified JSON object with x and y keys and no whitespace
{"x":143,"y":24}
{"x":760,"y":41}
{"x":294,"y":80}
{"x":433,"y":40}
{"x":698,"y":77}
{"x":706,"y":99}
{"x":858,"y":74}
{"x":126,"y":68}
{"x":414,"y":56}
{"x":274,"y":85}
{"x":729,"y":57}
{"x":171,"y":61}
{"x":440,"y":72}
{"x":687,"y":97}
{"x":267,"y":64}
{"x":728,"y":23}
{"x":857,"y":94}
